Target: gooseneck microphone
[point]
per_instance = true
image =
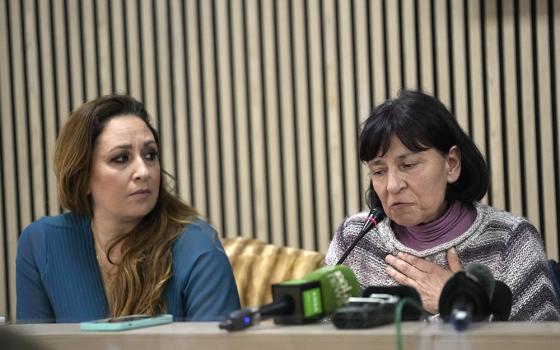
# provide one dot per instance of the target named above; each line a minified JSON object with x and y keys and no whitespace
{"x":301,"y":301}
{"x":376,"y":215}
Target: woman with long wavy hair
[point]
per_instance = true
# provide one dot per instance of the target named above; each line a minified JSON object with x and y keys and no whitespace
{"x":127,"y":245}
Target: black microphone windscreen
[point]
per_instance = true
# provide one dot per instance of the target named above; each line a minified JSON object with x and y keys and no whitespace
{"x":501,"y":302}
{"x":463,"y":291}
{"x":483,"y":276}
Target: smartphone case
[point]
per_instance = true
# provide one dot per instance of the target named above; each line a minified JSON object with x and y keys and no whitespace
{"x":127,"y":322}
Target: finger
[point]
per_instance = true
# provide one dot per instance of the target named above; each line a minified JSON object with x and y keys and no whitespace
{"x":400,"y":277}
{"x":402,"y":266}
{"x":453,"y":260}
{"x":418,"y":263}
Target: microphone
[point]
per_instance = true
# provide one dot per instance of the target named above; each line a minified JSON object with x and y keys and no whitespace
{"x":376,"y":215}
{"x":377,"y":307}
{"x":474,"y":295}
{"x":501,"y":302}
{"x":301,"y":301}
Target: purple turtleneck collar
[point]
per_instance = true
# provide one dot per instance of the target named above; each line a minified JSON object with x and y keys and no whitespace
{"x":456,"y":220}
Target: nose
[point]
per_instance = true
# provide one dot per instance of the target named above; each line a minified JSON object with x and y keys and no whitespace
{"x":395,"y":182}
{"x":141,"y":171}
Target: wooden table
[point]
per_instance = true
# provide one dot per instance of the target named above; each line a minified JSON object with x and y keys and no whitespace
{"x":267,"y":336}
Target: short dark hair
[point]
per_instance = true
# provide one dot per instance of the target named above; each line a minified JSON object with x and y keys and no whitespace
{"x":421,"y":122}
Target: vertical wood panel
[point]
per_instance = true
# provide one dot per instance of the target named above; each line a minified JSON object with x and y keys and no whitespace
{"x":546,"y":129}
{"x":120,"y":57}
{"x":34,"y":110}
{"x":442,"y":53}
{"x":134,"y":65}
{"x":493,"y":99}
{"x":426,"y":44}
{"x":393,"y":47}
{"x":349,"y":119}
{"x":240,"y":71}
{"x":257,"y":130}
{"x":289,"y":139}
{"x":7,"y":221}
{"x":105,"y":37}
{"x":528,"y":114}
{"x":475,"y":58}
{"x":459,"y":84}
{"x":274,"y":123}
{"x":211,"y":117}
{"x":332,"y":91}
{"x":50,"y":93}
{"x":512,"y":151}
{"x":181,"y":116}
{"x":306,"y":175}
{"x":323,"y":207}
{"x":409,"y":36}
{"x":364,"y":84}
{"x":227,"y":126}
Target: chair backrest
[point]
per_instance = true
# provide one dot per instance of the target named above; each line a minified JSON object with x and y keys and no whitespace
{"x":554,"y":268}
{"x":257,"y":265}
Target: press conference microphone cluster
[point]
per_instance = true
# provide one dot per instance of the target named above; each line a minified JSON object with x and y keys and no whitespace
{"x":301,"y":301}
{"x":474,"y":295}
{"x":375,"y":216}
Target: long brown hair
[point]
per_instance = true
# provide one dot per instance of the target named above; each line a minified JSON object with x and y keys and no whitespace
{"x":146,"y":262}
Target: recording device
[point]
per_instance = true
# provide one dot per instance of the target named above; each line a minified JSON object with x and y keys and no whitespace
{"x":377,"y":307}
{"x":301,"y":301}
{"x":474,"y":295}
{"x":375,"y":216}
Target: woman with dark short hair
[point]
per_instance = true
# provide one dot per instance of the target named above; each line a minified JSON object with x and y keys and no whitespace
{"x":429,"y":178}
{"x":128,"y":244}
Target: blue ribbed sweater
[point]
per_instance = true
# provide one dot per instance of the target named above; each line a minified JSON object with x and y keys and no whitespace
{"x":58,"y":278}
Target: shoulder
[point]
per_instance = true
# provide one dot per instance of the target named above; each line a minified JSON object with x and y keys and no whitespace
{"x":53,"y":225}
{"x":500,"y":220}
{"x":198,"y":237}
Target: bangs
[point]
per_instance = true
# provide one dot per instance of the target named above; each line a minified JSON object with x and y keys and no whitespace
{"x":375,"y":138}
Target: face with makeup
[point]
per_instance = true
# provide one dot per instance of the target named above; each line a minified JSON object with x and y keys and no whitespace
{"x":411,"y":185}
{"x":125,"y":170}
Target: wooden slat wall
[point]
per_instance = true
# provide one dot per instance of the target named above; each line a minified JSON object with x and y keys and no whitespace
{"x":259,"y":101}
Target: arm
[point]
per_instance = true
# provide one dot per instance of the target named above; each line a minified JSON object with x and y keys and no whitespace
{"x":33,"y":305}
{"x":525,"y":272}
{"x":209,"y":292}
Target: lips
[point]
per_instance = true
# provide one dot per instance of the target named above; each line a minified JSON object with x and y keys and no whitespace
{"x":141,"y":192}
{"x":398,"y":205}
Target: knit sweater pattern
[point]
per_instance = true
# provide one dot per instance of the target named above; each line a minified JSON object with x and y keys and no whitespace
{"x":508,"y":245}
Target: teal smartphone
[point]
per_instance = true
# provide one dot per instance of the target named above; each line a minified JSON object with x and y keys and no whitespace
{"x":125,"y":322}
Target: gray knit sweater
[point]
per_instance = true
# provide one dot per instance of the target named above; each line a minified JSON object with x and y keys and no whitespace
{"x":508,"y":245}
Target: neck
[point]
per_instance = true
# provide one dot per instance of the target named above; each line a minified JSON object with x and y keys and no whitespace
{"x":106,"y":230}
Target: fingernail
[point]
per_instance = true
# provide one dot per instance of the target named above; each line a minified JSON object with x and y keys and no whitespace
{"x":453,"y":250}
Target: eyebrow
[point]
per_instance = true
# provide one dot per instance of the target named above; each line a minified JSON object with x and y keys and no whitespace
{"x":129,"y":146}
{"x":377,"y":160}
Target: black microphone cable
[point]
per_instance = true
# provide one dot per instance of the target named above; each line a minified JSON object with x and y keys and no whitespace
{"x":376,"y":215}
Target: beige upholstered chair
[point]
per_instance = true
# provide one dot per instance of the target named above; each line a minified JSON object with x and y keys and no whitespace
{"x":258,"y":265}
